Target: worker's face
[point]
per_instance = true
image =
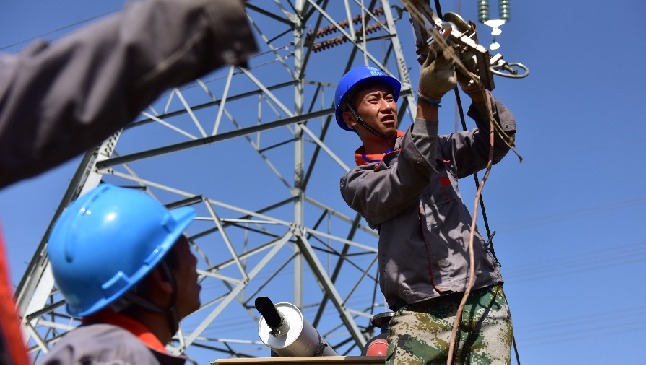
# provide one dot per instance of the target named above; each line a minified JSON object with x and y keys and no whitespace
{"x":188,"y":289}
{"x":377,"y":107}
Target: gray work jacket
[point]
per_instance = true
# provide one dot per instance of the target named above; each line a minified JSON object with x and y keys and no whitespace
{"x":412,"y":198}
{"x":105,"y":344}
{"x":57,"y":100}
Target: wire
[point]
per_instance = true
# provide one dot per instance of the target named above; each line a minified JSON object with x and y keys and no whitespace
{"x":28,"y":40}
{"x":586,"y":326}
{"x":599,"y":259}
{"x":559,"y":217}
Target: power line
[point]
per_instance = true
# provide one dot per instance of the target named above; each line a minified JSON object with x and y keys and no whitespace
{"x":29,"y":40}
{"x":587,"y":326}
{"x":582,"y":262}
{"x":573,"y":214}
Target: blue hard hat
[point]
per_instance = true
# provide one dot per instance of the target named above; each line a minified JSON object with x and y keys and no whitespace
{"x":105,"y":242}
{"x":355,"y":77}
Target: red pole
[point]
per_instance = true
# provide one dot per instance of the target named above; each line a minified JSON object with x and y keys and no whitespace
{"x":12,"y":344}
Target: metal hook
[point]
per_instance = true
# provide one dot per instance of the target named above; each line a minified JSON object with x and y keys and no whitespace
{"x":510,"y":70}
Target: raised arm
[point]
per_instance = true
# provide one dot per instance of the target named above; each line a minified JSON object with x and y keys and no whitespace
{"x":57,"y":100}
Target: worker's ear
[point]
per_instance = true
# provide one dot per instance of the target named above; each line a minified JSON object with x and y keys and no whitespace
{"x":349,"y":119}
{"x":158,"y":279}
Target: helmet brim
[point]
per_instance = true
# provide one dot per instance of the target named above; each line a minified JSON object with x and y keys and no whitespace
{"x":180,"y":218}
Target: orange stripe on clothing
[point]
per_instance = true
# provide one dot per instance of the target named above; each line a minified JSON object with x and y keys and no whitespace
{"x":362,"y":158}
{"x":109,"y":316}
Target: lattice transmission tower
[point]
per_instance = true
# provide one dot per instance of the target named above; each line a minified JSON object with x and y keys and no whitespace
{"x":258,"y":154}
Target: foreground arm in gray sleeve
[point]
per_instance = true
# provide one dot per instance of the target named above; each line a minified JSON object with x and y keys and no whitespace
{"x":57,"y":100}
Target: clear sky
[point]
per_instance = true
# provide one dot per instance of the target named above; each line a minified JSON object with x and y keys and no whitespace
{"x":568,"y":218}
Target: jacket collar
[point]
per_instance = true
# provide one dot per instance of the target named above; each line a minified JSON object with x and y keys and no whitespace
{"x":362,"y":158}
{"x":109,"y":316}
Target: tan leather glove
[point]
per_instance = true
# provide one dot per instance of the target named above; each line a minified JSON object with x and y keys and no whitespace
{"x":467,"y":83}
{"x":437,"y":74}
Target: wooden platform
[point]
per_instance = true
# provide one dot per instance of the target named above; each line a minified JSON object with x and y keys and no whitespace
{"x":325,"y":360}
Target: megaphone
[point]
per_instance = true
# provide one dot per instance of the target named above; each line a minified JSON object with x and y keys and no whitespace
{"x":283,"y":328}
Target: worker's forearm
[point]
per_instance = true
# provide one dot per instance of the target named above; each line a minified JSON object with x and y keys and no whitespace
{"x":58,"y":100}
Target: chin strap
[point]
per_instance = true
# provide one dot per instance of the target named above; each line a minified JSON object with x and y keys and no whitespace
{"x":365,"y":125}
{"x":132,"y":298}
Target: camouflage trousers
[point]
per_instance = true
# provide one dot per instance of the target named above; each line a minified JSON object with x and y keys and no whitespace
{"x":420,"y":333}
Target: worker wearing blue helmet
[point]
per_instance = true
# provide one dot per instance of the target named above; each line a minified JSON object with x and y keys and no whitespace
{"x":406,"y":187}
{"x":124,"y":267}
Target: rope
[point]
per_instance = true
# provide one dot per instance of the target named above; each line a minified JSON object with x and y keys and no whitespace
{"x":471,"y":278}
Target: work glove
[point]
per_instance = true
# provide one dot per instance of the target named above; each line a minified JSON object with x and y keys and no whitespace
{"x":468,"y":77}
{"x":469,"y":82}
{"x":437,"y":74}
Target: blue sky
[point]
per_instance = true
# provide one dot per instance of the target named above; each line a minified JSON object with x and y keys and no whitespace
{"x":568,"y":218}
